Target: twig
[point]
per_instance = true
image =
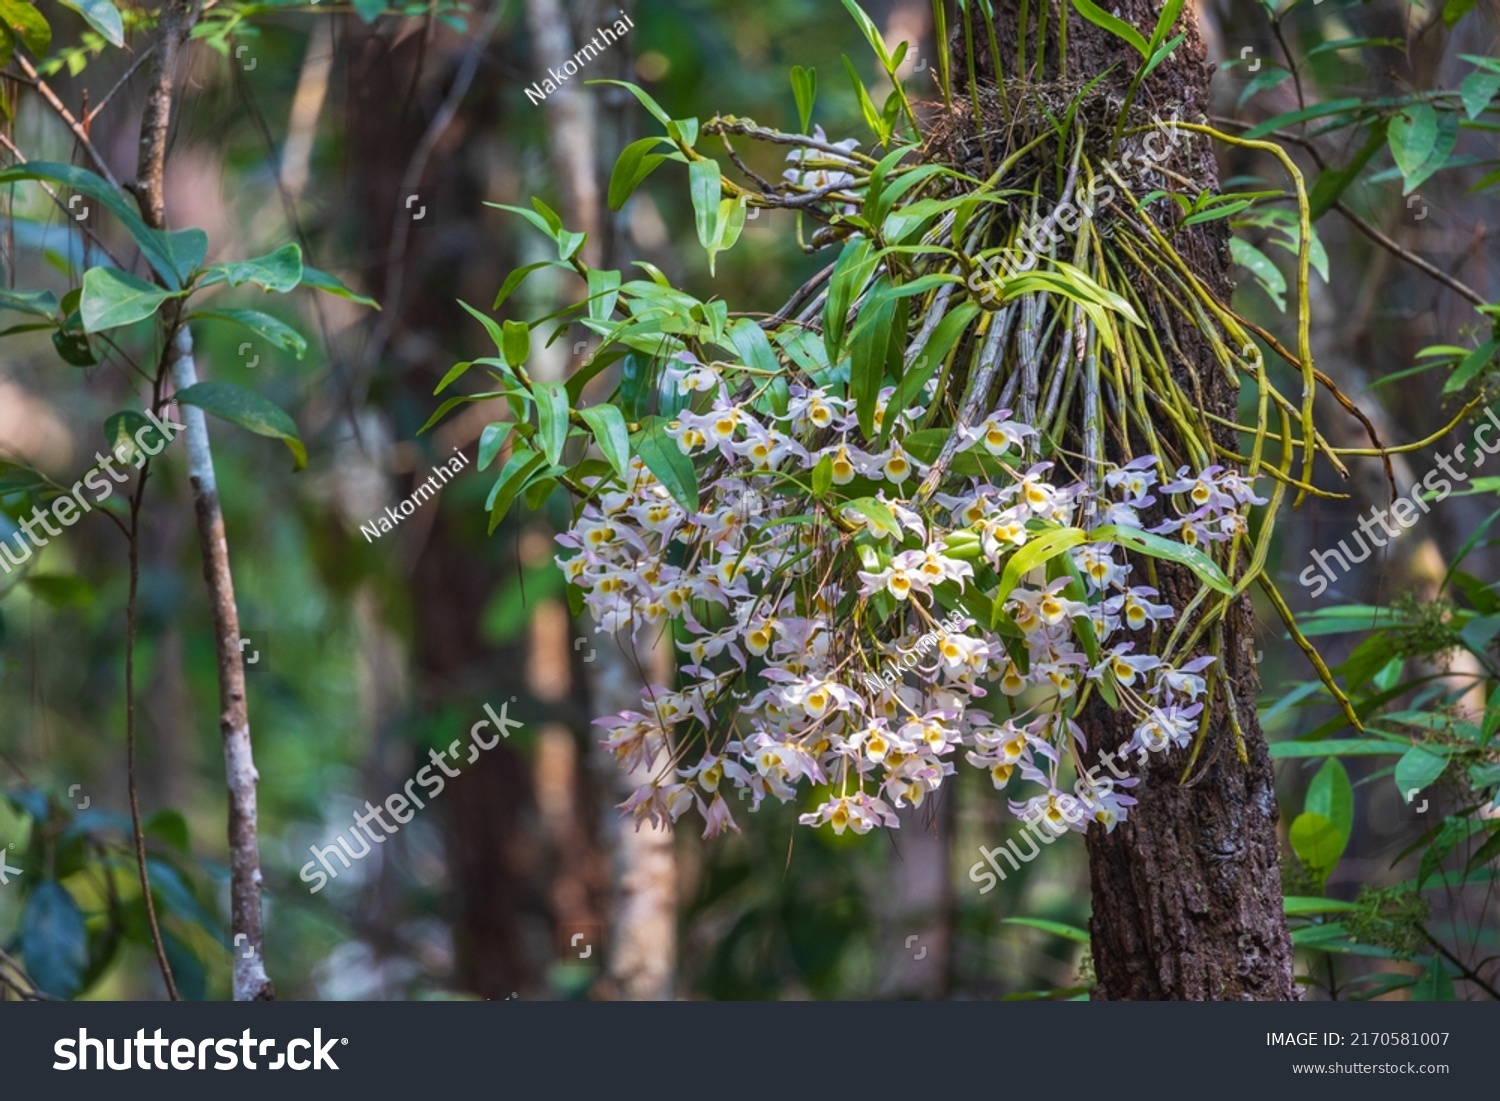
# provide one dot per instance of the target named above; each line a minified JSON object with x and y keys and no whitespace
{"x":79,"y":130}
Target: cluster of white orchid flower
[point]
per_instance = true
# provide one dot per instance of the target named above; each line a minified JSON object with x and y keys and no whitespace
{"x":759,"y":584}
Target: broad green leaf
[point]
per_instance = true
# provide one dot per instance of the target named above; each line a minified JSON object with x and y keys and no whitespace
{"x":515,"y":279}
{"x":1442,"y":149}
{"x":53,"y":940}
{"x":1330,"y":796}
{"x":38,"y":303}
{"x":705,"y":188}
{"x":1037,"y":552}
{"x":1418,"y":769}
{"x":27,"y":24}
{"x":1145,"y":542}
{"x":278,"y":271}
{"x":1332,"y":183}
{"x":81,"y":180}
{"x":1317,"y":843}
{"x":552,"y":419}
{"x":608,"y":425}
{"x":112,"y":298}
{"x":603,"y":286}
{"x":322,"y":281}
{"x":249,"y":410}
{"x":261,"y":324}
{"x":1478,"y":88}
{"x":103,"y":16}
{"x":1117,"y":27}
{"x":672,"y":468}
{"x":120,"y":431}
{"x":1412,"y":135}
{"x":188,"y":247}
{"x":1267,"y":274}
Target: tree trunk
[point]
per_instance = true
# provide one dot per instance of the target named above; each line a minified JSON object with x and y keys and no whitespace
{"x":1186,"y":892}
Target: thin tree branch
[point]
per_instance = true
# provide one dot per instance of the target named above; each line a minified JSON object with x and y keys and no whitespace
{"x":79,"y":130}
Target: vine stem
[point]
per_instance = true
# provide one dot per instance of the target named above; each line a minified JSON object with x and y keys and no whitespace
{"x":138,"y":835}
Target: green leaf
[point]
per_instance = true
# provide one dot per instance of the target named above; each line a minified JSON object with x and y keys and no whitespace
{"x":646,"y":101}
{"x":1164,"y":24}
{"x":1145,"y":542}
{"x":278,"y":271}
{"x":552,"y":419}
{"x":27,"y":24}
{"x":103,"y":16}
{"x":1475,"y":362}
{"x":1418,"y":768}
{"x":54,"y":942}
{"x":188,"y":247}
{"x":1447,"y":138}
{"x":1478,"y":88}
{"x":322,"y":281}
{"x":636,"y":162}
{"x":1332,"y":183}
{"x":805,"y":91}
{"x":515,"y":339}
{"x":850,"y":273}
{"x":1317,"y":843}
{"x":491,"y":440}
{"x":1412,"y":135}
{"x":1295,"y":905}
{"x":1068,"y":932}
{"x":169,"y":826}
{"x":704,"y":186}
{"x":261,"y":324}
{"x":38,"y":303}
{"x":752,"y":346}
{"x":872,"y":34}
{"x":120,"y":432}
{"x":608,"y":425}
{"x":1330,"y":796}
{"x":523,"y":463}
{"x":81,"y":180}
{"x":882,"y":521}
{"x":112,"y":298}
{"x":1342,"y":747}
{"x":1435,"y":985}
{"x":1117,"y":27}
{"x":672,"y":468}
{"x":1454,"y":10}
{"x":872,"y":117}
{"x":868,"y":348}
{"x":249,"y":410}
{"x":1037,"y":552}
{"x":1267,"y":274}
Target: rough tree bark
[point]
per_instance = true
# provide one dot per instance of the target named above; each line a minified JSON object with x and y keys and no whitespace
{"x":1186,"y":893}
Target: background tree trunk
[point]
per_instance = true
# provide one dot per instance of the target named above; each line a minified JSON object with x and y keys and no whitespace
{"x":1187,"y":892}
